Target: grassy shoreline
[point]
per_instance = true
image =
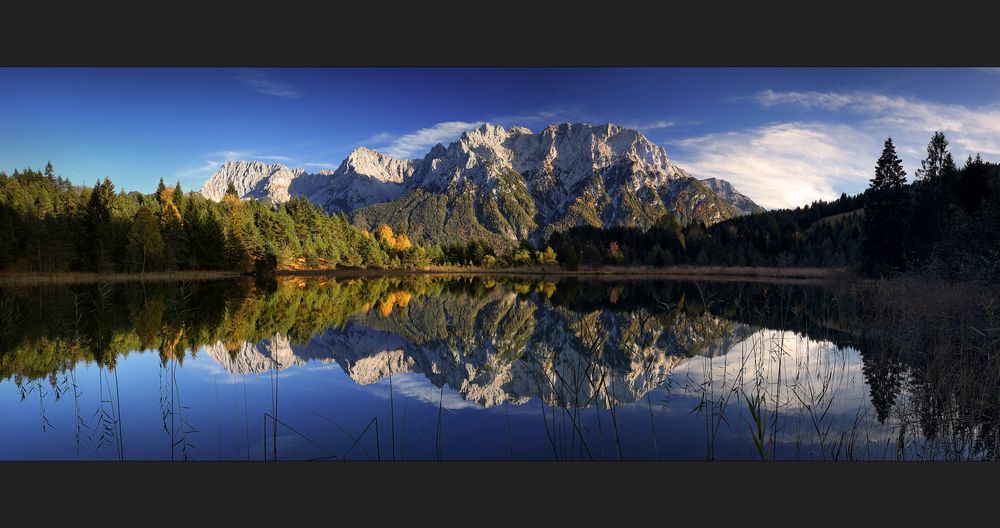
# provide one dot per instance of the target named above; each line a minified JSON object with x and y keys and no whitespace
{"x":615,"y":272}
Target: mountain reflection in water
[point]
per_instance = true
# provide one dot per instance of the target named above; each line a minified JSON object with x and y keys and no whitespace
{"x":422,"y":367}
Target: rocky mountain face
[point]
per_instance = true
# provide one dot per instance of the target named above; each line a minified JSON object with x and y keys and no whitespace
{"x":501,"y":185}
{"x":366,"y":177}
{"x":726,"y":191}
{"x":252,"y":179}
{"x":500,"y":346}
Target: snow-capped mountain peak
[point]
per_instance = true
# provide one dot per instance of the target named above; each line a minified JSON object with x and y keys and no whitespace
{"x":506,"y":184}
{"x":252,"y":179}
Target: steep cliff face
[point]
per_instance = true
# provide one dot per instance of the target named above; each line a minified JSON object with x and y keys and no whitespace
{"x":504,"y":347}
{"x":727,"y":192}
{"x":252,"y":179}
{"x":501,"y":185}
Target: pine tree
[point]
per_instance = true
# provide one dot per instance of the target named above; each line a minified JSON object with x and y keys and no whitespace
{"x":932,"y":167}
{"x":886,"y":209}
{"x":48,"y":171}
{"x":178,"y":196}
{"x":159,"y":191}
{"x":98,"y":242}
{"x":930,"y":198}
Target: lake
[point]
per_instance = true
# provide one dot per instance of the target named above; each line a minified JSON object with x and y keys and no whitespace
{"x":481,"y":368}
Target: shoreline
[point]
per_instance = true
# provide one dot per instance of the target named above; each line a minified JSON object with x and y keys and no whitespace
{"x":610,"y":272}
{"x":607,"y":272}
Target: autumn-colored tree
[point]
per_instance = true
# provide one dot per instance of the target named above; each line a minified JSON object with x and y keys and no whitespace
{"x":615,"y":252}
{"x":385,"y":235}
{"x":172,"y":230}
{"x":402,"y":243}
{"x":549,"y":256}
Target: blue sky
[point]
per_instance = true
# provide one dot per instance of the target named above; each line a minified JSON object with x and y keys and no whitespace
{"x":783,"y":136}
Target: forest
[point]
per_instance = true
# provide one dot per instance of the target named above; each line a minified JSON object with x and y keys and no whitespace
{"x":946,"y":222}
{"x":49,"y":225}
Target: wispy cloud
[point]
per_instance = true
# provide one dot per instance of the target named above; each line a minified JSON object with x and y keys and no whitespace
{"x":198,"y":172}
{"x":228,"y":155}
{"x":972,"y":129}
{"x":649,"y":125}
{"x":377,"y":140}
{"x":786,"y":164}
{"x":260,"y":82}
{"x":418,"y":143}
{"x":319,"y":165}
{"x":991,"y":71}
{"x":793,"y":163}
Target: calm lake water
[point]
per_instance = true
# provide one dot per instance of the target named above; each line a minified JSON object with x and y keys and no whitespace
{"x":428,"y":368}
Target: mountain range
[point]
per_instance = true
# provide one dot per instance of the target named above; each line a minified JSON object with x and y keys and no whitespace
{"x":500,"y":185}
{"x":500,"y":346}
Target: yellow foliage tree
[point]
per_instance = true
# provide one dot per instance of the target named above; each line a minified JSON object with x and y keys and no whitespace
{"x":403,"y":242}
{"x":615,"y":252}
{"x":549,"y":256}
{"x":385,"y":235}
{"x":168,"y":211}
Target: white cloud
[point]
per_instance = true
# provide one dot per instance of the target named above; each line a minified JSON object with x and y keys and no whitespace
{"x":419,"y":388}
{"x":793,"y":163}
{"x":319,"y":164}
{"x":378,"y":139}
{"x":970,"y":129}
{"x":991,"y":71}
{"x":418,"y":143}
{"x":650,"y":125}
{"x":229,"y":155}
{"x":197,"y":173}
{"x":260,"y":82}
{"x":786,"y":164}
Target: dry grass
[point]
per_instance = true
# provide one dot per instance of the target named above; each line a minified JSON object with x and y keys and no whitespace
{"x":615,"y":272}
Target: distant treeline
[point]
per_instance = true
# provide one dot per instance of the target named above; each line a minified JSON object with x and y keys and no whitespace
{"x":49,"y":225}
{"x":946,"y":222}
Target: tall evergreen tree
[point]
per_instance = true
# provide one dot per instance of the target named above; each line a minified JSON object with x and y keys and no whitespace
{"x":932,"y":167}
{"x":49,"y":173}
{"x":98,"y":244}
{"x":160,"y":187}
{"x":886,"y":211}
{"x":930,"y":200}
{"x":178,"y":196}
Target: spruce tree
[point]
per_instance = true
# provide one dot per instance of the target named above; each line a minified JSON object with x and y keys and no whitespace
{"x":159,"y":190}
{"x":930,"y":198}
{"x":98,"y":244}
{"x":178,"y":196}
{"x":886,"y":211}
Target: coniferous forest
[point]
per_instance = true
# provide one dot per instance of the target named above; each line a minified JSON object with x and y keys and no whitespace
{"x":943,"y":221}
